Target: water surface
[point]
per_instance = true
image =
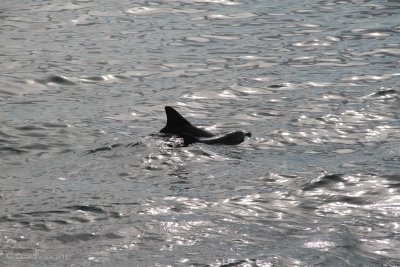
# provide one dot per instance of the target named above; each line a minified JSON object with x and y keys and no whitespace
{"x":85,"y":182}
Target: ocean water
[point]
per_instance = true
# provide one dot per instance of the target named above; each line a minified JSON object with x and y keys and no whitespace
{"x":86,"y":181}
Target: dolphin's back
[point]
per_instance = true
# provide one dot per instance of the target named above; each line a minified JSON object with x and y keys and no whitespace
{"x":233,"y":138}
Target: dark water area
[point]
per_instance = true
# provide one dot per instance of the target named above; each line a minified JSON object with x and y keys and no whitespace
{"x":86,"y":181}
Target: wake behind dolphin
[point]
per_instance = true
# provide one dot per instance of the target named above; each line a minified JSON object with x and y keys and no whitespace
{"x":178,"y":125}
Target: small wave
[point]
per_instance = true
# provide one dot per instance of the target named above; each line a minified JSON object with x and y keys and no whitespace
{"x":102,"y":78}
{"x":66,"y":238}
{"x":324,"y":181}
{"x":87,"y":208}
{"x":348,"y":199}
{"x":393,"y":181}
{"x":239,"y":263}
{"x":12,"y":150}
{"x":110,"y":147}
{"x":40,"y":227}
{"x":103,"y":148}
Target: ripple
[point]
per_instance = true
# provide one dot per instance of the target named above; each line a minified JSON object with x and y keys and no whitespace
{"x":87,"y":208}
{"x":144,"y":10}
{"x":320,"y":244}
{"x":198,"y":39}
{"x":379,"y":52}
{"x":324,"y":181}
{"x":222,"y":37}
{"x":222,"y":2}
{"x":75,"y":238}
{"x":312,"y":43}
{"x":243,"y":15}
{"x":8,"y":150}
{"x":344,"y":151}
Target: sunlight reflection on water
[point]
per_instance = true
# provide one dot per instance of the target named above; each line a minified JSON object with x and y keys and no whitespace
{"x":82,"y":94}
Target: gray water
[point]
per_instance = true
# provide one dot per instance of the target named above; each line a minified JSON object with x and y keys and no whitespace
{"x":85,"y":181}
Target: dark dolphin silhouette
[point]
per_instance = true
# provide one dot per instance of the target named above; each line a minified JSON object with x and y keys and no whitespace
{"x":178,"y":125}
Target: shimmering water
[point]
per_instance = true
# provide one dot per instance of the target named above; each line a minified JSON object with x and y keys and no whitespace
{"x":316,"y":82}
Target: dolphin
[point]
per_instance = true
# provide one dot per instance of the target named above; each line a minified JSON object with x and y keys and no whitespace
{"x":178,"y":125}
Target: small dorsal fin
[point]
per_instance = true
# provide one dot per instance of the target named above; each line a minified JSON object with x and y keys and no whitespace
{"x":174,"y":119}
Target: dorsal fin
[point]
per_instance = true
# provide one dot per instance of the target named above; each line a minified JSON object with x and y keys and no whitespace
{"x":177,"y":124}
{"x":174,"y":119}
